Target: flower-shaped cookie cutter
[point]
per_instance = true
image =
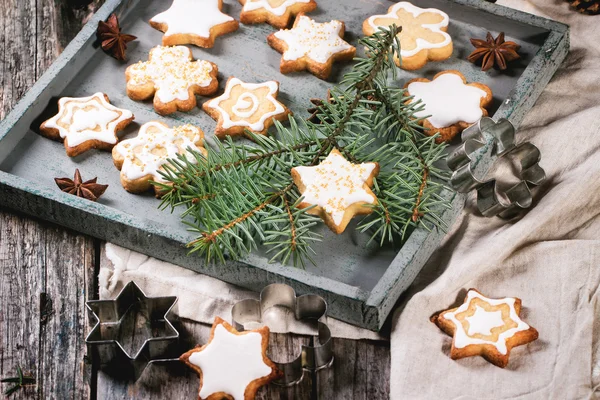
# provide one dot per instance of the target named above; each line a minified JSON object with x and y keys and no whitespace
{"x":483,"y":143}
{"x":105,"y":344}
{"x":307,"y":308}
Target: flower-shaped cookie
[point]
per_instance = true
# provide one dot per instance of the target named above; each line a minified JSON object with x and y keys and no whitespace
{"x":451,"y":104}
{"x":172,"y":78}
{"x":197,"y":22}
{"x":251,"y":106}
{"x":311,"y":45}
{"x":486,"y":327}
{"x":339,"y":189}
{"x":232,"y":364}
{"x":84,"y":123}
{"x":423,"y":37}
{"x":277,"y":13}
{"x":141,"y":159}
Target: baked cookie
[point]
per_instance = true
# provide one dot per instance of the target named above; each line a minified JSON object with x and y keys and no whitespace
{"x":485,"y":327}
{"x":451,"y":104}
{"x":196,"y":22}
{"x":251,"y":106}
{"x":423,"y":37}
{"x":311,"y":46}
{"x":277,"y":13}
{"x":172,"y":78}
{"x":232,"y":364}
{"x":141,"y":158}
{"x":84,"y":123}
{"x":339,"y":189}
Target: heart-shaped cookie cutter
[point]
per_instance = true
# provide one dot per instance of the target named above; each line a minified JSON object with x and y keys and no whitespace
{"x":485,"y":142}
{"x":307,"y":308}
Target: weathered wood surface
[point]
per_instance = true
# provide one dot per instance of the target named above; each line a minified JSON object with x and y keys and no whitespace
{"x":47,"y":272}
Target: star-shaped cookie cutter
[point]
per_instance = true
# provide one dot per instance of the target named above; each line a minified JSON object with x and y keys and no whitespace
{"x":104,"y":341}
{"x":310,"y":308}
{"x":483,"y":143}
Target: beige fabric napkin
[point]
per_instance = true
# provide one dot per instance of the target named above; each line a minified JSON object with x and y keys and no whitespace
{"x":550,"y":258}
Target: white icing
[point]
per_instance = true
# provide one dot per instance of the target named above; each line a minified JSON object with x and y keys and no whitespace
{"x":279,"y":10}
{"x":140,"y":161}
{"x":80,"y":124}
{"x":484,"y":322}
{"x":230,"y":362}
{"x":247,"y":104}
{"x":317,"y":41}
{"x":448,"y":100}
{"x":336,"y":184}
{"x":171,"y":71}
{"x":194,"y":17}
{"x":421,"y":43}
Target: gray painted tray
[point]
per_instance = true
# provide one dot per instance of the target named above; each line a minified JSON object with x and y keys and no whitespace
{"x":361,"y":283}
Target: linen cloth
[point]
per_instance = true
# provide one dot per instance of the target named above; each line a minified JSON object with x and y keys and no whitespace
{"x":549,"y":258}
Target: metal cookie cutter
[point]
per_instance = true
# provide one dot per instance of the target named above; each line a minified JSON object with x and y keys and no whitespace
{"x":113,"y":344}
{"x":310,"y":308}
{"x":483,"y":143}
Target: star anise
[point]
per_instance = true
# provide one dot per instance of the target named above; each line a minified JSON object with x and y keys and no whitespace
{"x":591,"y":7}
{"x":88,"y":190}
{"x":493,"y":51}
{"x":113,"y":41}
{"x":314,"y":111}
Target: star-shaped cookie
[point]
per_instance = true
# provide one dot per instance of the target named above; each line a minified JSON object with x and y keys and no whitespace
{"x":486,"y":327}
{"x":232,"y":364}
{"x":338,"y":188}
{"x":196,"y":22}
{"x":141,"y":158}
{"x":84,"y":123}
{"x":251,"y":106}
{"x":172,"y":78}
{"x":451,"y":104}
{"x":423,"y":37}
{"x":311,"y":46}
{"x":277,"y":13}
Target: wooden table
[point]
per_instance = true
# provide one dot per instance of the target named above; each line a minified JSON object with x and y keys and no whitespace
{"x":47,"y":273}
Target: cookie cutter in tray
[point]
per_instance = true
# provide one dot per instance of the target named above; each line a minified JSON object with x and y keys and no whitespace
{"x":105,"y":345}
{"x":307,"y":308}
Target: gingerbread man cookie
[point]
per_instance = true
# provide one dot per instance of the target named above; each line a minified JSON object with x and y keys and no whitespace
{"x":486,"y":327}
{"x":251,"y":106}
{"x":172,"y":78}
{"x":232,"y":364}
{"x":451,"y":104}
{"x":277,"y":13}
{"x":84,"y":123}
{"x":339,"y":189}
{"x":311,"y":46}
{"x":141,"y":159}
{"x":423,"y":37}
{"x":196,"y":22}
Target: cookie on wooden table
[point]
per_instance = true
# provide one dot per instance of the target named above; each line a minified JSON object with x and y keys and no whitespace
{"x":451,"y":104}
{"x":85,"y":123}
{"x":251,"y":106}
{"x":172,"y":78}
{"x":277,"y":13}
{"x":196,"y":22}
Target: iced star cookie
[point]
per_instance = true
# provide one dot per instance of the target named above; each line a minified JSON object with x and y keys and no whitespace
{"x":485,"y":327}
{"x":84,"y":123}
{"x":172,"y":78}
{"x":339,"y":189}
{"x":423,"y":37}
{"x":141,"y":159}
{"x":232,"y":364}
{"x":277,"y":13}
{"x":251,"y":106}
{"x":311,"y":46}
{"x":451,"y":104}
{"x":196,"y":22}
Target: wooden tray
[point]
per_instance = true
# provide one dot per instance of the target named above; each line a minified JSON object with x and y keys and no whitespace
{"x":361,"y":283}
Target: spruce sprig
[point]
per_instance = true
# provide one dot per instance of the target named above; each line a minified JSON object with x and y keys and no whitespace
{"x":241,"y":196}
